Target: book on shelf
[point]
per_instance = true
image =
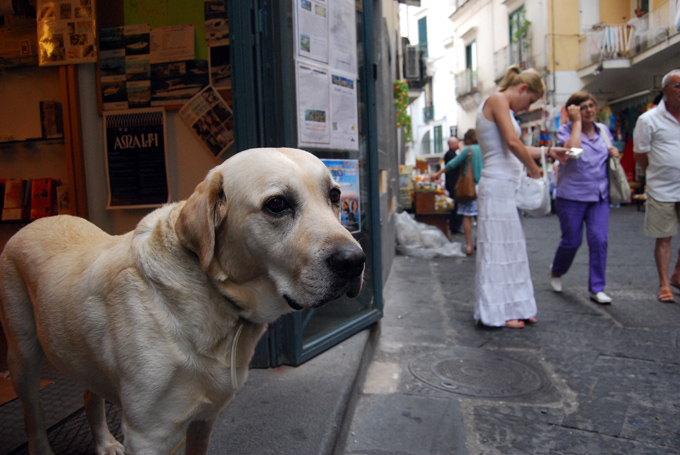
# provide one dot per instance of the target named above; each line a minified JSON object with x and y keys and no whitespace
{"x":51,"y":119}
{"x":43,"y":198}
{"x":15,"y":207}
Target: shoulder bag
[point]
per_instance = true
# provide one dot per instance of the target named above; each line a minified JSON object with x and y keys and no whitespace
{"x":465,"y":187}
{"x":533,"y":195}
{"x":619,"y":188}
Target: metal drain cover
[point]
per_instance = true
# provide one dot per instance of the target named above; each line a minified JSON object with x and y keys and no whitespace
{"x":477,"y":372}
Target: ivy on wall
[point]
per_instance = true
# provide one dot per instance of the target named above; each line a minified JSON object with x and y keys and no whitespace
{"x":401,"y":102}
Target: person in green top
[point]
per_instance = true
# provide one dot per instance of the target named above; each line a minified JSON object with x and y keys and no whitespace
{"x":469,"y":209}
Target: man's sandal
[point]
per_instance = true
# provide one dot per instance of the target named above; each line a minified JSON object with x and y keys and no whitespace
{"x":666,"y":296}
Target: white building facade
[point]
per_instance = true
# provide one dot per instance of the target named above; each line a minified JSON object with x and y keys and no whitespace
{"x":433,"y":107}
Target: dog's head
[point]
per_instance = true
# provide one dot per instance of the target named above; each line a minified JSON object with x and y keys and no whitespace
{"x":273,"y":214}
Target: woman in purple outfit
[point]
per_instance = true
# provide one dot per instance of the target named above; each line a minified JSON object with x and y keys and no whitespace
{"x":583,"y":194}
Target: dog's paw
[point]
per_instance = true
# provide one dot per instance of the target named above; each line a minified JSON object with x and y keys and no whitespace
{"x":111,"y":447}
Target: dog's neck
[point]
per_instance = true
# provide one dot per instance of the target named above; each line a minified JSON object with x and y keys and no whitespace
{"x":247,"y":299}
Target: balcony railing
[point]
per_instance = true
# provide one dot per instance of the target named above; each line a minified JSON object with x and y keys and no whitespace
{"x":608,"y":42}
{"x":517,"y":53}
{"x":605,"y":42}
{"x":467,"y":82}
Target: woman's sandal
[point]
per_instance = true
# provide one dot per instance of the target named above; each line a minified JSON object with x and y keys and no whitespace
{"x":529,"y":321}
{"x":514,"y":324}
{"x":666,"y":296}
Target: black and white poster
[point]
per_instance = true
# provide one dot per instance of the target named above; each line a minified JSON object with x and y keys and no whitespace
{"x":136,"y":162}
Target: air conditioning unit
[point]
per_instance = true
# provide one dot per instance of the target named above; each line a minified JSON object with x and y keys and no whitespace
{"x":412,"y":63}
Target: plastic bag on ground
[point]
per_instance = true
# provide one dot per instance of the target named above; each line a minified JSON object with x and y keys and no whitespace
{"x":422,"y":240}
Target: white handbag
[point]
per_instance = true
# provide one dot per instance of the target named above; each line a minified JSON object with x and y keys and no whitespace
{"x":619,"y":188}
{"x":533,"y":195}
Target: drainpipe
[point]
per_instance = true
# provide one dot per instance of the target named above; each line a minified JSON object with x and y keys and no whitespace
{"x":554,"y":69}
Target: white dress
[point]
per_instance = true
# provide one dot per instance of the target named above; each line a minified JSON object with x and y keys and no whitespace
{"x":503,"y":287}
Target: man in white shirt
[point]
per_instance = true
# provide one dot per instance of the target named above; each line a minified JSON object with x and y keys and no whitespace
{"x":657,"y":149}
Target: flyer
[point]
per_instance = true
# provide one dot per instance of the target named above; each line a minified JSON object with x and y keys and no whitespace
{"x":313,"y":105}
{"x":344,"y":125}
{"x":312,"y":29}
{"x":211,"y":119}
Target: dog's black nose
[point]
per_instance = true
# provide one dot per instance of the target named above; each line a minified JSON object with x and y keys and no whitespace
{"x":347,"y":262}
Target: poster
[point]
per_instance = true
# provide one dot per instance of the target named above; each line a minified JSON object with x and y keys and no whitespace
{"x":326,"y":71}
{"x":312,"y":30}
{"x":124,"y":67}
{"x":211,"y":119}
{"x":216,"y":23}
{"x":313,"y":105}
{"x":346,"y":174}
{"x":217,"y":40}
{"x":137,"y":66}
{"x":172,"y":44}
{"x":220,"y":67}
{"x":344,"y":127}
{"x":136,"y":162}
{"x":18,"y":42}
{"x":66,"y":32}
{"x":343,"y":37}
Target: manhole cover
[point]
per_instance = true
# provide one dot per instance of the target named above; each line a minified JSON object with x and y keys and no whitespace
{"x":477,"y":373}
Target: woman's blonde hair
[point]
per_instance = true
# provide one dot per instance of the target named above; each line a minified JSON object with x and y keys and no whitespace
{"x":531,"y":77}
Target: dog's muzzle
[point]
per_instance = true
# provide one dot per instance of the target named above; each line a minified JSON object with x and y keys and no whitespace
{"x":347,"y":263}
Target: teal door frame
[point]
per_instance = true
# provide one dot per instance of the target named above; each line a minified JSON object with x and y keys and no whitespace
{"x":264,"y":97}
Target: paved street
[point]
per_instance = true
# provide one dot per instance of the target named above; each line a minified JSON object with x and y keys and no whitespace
{"x":587,"y":379}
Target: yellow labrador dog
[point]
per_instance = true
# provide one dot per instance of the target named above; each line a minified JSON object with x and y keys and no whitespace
{"x":163,"y":321}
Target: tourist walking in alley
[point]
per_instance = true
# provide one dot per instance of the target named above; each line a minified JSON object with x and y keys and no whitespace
{"x":583,"y":194}
{"x":504,"y":293}
{"x":466,"y":210}
{"x":657,"y":147}
{"x":455,"y":220}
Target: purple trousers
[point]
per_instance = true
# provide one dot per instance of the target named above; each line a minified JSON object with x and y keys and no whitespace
{"x":573,"y":215}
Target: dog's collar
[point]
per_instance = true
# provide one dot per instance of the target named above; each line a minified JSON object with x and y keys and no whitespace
{"x":239,"y":310}
{"x":234,"y":376}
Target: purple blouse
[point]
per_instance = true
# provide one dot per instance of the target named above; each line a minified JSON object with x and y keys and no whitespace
{"x":584,"y":179}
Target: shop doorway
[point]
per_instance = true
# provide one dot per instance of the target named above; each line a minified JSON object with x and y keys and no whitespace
{"x":265,"y":74}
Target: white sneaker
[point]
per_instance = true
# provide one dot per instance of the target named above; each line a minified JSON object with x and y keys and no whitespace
{"x":556,"y":283}
{"x":601,"y":298}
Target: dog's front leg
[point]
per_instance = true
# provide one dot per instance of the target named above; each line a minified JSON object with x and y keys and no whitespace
{"x":198,"y":437}
{"x":104,"y":442}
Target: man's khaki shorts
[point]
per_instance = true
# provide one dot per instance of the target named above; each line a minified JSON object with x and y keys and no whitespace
{"x":661,"y":218}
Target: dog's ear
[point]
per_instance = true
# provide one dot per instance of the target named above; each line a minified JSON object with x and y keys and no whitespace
{"x":202,"y":214}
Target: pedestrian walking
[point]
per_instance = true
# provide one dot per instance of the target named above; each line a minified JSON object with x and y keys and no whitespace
{"x":455,"y":220}
{"x":657,"y":149}
{"x":466,"y":210}
{"x":504,"y":292}
{"x":583,"y":194}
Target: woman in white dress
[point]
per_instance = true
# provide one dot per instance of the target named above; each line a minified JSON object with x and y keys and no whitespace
{"x":504,"y":291}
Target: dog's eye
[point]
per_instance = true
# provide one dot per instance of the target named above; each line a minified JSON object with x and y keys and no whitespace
{"x":277,"y":205}
{"x":335,"y":195}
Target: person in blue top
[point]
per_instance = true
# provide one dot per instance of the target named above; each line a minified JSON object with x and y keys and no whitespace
{"x":469,"y":209}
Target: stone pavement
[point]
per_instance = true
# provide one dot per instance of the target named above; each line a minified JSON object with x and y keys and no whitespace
{"x":587,"y":379}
